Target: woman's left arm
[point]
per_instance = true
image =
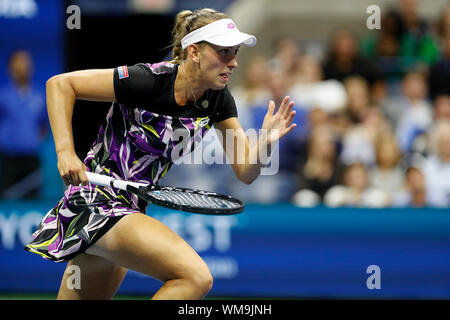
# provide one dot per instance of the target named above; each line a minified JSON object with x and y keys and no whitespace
{"x":245,"y":158}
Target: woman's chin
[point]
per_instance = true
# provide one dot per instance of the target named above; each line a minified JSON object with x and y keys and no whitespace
{"x":219,"y":85}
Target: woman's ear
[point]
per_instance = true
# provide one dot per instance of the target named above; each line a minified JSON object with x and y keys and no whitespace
{"x":194,"y":53}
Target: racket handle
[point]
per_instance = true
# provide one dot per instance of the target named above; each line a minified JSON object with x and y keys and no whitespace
{"x":107,"y":181}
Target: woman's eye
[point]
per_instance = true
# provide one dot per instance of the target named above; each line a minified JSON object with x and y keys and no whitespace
{"x":228,"y":52}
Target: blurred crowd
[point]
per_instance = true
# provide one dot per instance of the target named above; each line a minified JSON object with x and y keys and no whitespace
{"x":373,"y":115}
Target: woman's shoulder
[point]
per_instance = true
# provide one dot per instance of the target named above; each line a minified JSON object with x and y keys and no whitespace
{"x":164,"y":67}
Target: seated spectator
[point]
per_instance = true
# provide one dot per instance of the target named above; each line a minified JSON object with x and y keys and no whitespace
{"x":310,"y":90}
{"x":253,"y":90}
{"x":416,"y":43}
{"x":358,"y":143}
{"x":308,"y":70}
{"x":358,"y":98}
{"x":280,"y":186}
{"x":290,"y":146}
{"x":414,"y":192}
{"x":410,"y":114}
{"x":387,"y":175}
{"x":357,"y":146}
{"x":384,"y":43}
{"x":384,"y":46}
{"x":285,"y":59}
{"x":355,"y":190}
{"x":436,"y":167}
{"x":343,"y":60}
{"x":320,"y":170}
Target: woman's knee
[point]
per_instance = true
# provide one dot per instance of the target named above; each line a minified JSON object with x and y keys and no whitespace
{"x":144,"y":244}
{"x":200,"y":278}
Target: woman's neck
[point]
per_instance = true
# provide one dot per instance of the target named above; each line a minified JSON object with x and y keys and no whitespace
{"x":187,"y":85}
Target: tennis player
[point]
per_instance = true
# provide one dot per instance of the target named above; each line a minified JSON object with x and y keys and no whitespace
{"x":102,"y":230}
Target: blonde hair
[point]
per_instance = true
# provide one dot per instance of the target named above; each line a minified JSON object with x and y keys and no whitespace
{"x":187,"y":21}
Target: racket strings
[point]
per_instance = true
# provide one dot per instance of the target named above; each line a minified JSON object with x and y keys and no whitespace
{"x":193,"y":199}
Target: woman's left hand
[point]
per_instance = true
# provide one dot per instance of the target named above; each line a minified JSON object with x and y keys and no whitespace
{"x":276,"y":126}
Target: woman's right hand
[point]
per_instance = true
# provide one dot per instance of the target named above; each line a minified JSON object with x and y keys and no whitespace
{"x":72,"y":169}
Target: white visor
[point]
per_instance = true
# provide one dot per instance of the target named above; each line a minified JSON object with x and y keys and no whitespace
{"x":222,"y":33}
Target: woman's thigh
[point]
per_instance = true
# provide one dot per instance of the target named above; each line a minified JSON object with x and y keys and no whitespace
{"x":90,"y":277}
{"x":143,"y":244}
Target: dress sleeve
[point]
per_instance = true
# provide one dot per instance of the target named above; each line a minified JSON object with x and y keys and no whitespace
{"x":133,"y":85}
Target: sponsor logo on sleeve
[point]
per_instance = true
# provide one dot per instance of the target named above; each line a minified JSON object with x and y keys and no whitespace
{"x":123,"y":72}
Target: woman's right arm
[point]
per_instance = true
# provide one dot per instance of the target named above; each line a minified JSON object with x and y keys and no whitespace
{"x":62,"y":91}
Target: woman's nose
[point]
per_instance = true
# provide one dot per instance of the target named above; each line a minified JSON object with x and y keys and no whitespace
{"x":233,"y":63}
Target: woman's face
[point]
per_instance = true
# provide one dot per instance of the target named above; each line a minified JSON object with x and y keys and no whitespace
{"x":217,"y":64}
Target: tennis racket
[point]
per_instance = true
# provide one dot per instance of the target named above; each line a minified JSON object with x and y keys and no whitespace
{"x":184,"y":199}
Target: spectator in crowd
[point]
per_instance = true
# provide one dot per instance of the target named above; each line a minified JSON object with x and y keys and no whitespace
{"x":436,"y":167}
{"x":344,"y":60}
{"x":23,"y":121}
{"x":439,"y":74}
{"x":441,"y":108}
{"x":358,"y":143}
{"x":355,"y":190}
{"x":312,"y":91}
{"x":358,"y":98}
{"x":253,"y":90}
{"x":279,"y":186}
{"x":321,"y":169}
{"x":279,"y":86}
{"x":414,"y":192}
{"x":384,"y":43}
{"x":285,"y":59}
{"x":411,"y":113}
{"x":417,"y":46}
{"x":308,"y":70}
{"x":387,"y":175}
{"x":362,"y":123}
{"x":322,"y":99}
{"x":384,"y":46}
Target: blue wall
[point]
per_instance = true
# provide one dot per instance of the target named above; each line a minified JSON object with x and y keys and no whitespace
{"x":273,"y":251}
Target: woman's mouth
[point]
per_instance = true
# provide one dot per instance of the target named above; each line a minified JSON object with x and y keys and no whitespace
{"x":225,"y":76}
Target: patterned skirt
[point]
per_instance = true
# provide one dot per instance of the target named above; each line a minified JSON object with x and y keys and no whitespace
{"x":82,"y":216}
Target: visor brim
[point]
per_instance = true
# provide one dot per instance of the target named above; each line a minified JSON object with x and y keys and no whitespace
{"x":233,"y":40}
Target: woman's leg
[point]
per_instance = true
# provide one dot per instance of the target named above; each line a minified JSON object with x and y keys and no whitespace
{"x":99,"y":278}
{"x":144,"y":244}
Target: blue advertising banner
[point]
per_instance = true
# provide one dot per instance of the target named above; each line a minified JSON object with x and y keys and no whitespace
{"x":273,"y":251}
